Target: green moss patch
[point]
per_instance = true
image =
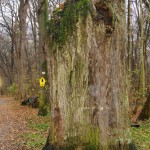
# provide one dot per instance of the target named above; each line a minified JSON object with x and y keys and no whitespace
{"x":63,"y":22}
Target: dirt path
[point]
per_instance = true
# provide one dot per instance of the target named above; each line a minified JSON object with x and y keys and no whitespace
{"x":13,"y":121}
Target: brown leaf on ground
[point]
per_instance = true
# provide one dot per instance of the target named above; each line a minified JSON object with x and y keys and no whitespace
{"x":13,"y":123}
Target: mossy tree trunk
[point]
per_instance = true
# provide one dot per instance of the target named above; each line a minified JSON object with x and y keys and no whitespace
{"x":89,"y":104}
{"x":42,"y":20}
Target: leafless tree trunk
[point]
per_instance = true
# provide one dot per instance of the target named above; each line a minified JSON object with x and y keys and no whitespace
{"x":22,"y":45}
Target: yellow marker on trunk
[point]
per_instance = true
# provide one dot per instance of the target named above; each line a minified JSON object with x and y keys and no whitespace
{"x":42,"y":82}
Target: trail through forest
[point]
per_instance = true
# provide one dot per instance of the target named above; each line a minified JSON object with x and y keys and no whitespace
{"x":13,"y":122}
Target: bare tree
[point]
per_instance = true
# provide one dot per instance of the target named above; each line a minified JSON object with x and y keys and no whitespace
{"x":22,"y":45}
{"x":8,"y":16}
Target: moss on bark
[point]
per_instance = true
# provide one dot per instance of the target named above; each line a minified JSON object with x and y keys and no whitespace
{"x":87,"y":85}
{"x":63,"y":22}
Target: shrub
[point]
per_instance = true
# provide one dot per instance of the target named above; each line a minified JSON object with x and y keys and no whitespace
{"x":13,"y":89}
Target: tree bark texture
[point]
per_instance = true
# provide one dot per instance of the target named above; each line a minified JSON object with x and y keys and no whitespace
{"x":89,"y":104}
{"x":22,"y":46}
{"x":42,"y":20}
